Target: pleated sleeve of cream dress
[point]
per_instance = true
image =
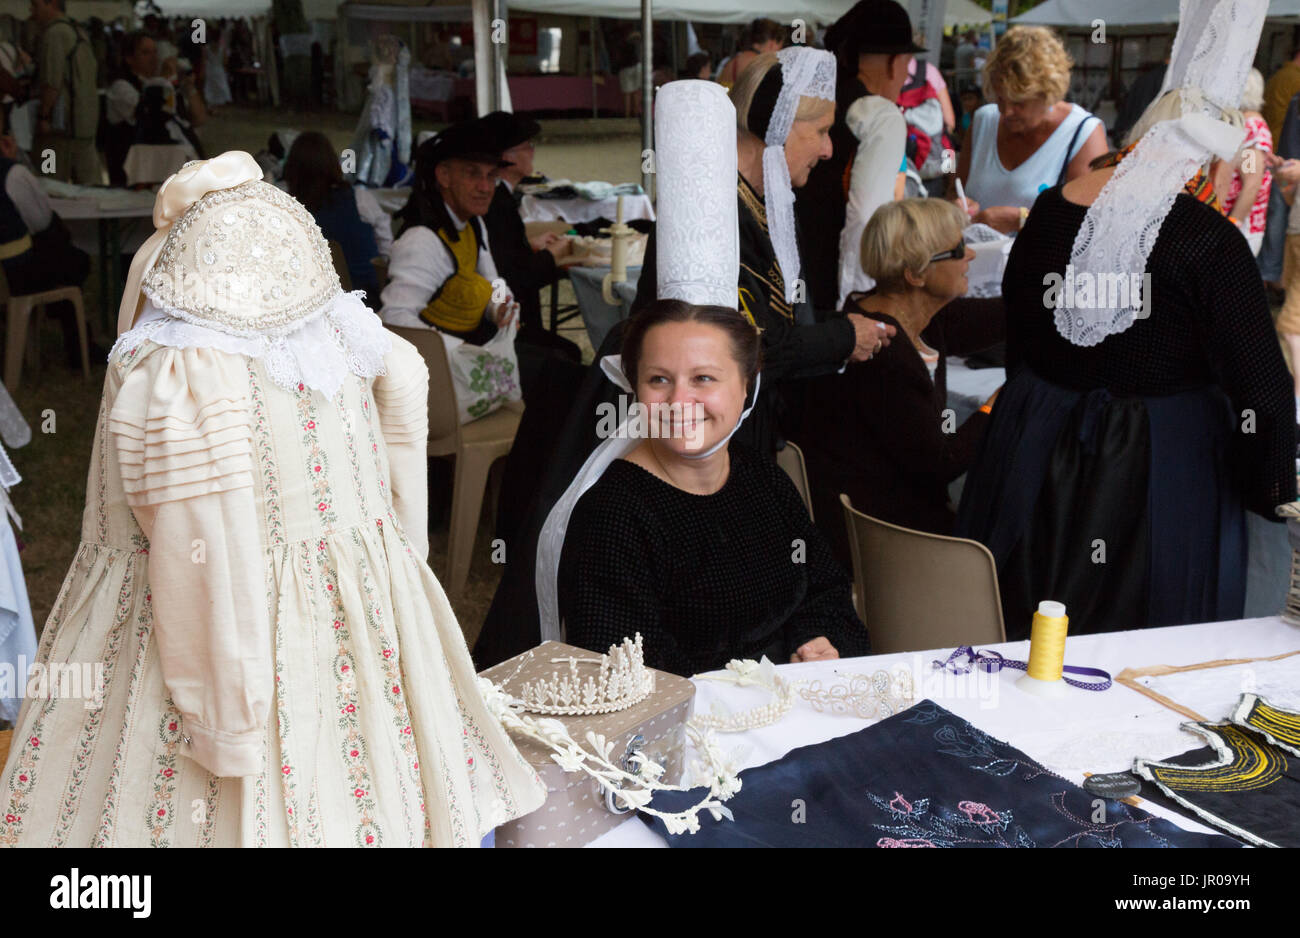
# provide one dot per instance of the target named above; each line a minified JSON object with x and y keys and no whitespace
{"x":182,"y":428}
{"x":402,"y":400}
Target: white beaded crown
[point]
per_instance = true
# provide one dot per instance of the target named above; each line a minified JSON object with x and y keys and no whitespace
{"x":244,"y":260}
{"x":623,"y":680}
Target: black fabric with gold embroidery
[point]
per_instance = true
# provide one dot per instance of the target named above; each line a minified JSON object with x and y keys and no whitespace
{"x":1239,"y":783}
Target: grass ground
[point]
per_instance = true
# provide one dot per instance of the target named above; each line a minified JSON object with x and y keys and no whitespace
{"x":54,"y":465}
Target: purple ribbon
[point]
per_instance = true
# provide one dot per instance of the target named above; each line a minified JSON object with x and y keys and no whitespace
{"x":993,"y":662}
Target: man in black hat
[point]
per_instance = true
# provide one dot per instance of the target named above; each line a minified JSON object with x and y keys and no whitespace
{"x":440,"y":270}
{"x":528,"y":265}
{"x":873,"y":43}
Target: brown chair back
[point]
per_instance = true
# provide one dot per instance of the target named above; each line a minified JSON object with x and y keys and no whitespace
{"x":919,"y":591}
{"x":444,"y":419}
{"x":791,"y":460}
{"x":380,"y":265}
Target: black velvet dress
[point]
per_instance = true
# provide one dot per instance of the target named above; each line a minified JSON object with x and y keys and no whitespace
{"x":1113,"y":478}
{"x":704,"y":578}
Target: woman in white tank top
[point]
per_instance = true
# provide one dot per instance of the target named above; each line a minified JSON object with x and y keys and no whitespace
{"x":1030,"y":139}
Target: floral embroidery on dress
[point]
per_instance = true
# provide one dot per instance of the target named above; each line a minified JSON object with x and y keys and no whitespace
{"x":389,"y":663}
{"x":288,"y":777}
{"x":101,"y":480}
{"x":209,"y":822}
{"x":143,"y":632}
{"x":355,"y":752}
{"x":266,"y":459}
{"x":349,"y":441}
{"x":90,"y":727}
{"x":160,"y":810}
{"x":318,"y":469}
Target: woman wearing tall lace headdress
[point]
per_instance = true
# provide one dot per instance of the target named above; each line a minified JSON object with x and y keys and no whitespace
{"x":1147,"y":404}
{"x":784,"y":106}
{"x":280,"y":666}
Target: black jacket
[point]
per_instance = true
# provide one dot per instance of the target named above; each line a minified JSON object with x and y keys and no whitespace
{"x":525,"y":270}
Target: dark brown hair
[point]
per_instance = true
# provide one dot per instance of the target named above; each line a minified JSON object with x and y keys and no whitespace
{"x":765,"y":30}
{"x":311,"y":170}
{"x":745,"y":346}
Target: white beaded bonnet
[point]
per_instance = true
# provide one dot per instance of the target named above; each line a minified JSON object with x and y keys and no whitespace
{"x":236,"y":264}
{"x":245,"y":260}
{"x":1210,"y":60}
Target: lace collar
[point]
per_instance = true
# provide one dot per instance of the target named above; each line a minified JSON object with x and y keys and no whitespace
{"x":342,"y":337}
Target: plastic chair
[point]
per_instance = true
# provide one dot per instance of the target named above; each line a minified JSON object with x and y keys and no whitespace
{"x":475,"y":446}
{"x":791,"y":460}
{"x":19,"y":312}
{"x":918,"y":591}
{"x":341,"y":266}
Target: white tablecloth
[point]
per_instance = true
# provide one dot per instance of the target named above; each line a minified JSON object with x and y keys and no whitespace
{"x":152,"y":163}
{"x":579,"y":210}
{"x":1117,"y":724}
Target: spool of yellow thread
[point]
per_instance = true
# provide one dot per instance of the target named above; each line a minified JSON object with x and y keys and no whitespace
{"x":1046,"y":651}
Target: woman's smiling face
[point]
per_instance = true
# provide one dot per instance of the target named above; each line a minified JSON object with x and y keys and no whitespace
{"x":690,"y":366}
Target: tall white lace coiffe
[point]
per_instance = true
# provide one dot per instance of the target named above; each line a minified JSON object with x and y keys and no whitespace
{"x":1211,"y":58}
{"x":697,"y":261}
{"x":805,"y":73}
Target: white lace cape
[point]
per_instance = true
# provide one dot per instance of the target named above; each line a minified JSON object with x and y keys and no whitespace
{"x":342,"y":336}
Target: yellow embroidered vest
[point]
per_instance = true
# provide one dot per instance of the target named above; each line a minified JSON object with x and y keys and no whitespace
{"x":458,"y":304}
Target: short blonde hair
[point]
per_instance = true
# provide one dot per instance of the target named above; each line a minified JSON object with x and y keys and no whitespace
{"x":1174,"y":104}
{"x":1028,"y":62}
{"x":742,"y":93}
{"x":903,"y":236}
{"x":1252,"y":96}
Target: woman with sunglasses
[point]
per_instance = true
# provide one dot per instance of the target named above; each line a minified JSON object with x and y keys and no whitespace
{"x":881,"y":434}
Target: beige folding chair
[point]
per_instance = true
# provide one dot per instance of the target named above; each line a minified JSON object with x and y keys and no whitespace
{"x":791,"y":460}
{"x":918,"y":591}
{"x":19,"y":313}
{"x":341,"y":265}
{"x":475,"y":446}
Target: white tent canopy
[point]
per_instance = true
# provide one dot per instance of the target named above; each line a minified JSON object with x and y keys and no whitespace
{"x":315,"y":9}
{"x":80,"y":10}
{"x":699,"y":11}
{"x":965,"y":13}
{"x":819,"y":12}
{"x":1081,"y":13}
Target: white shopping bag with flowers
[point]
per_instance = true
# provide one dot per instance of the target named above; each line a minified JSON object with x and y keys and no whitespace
{"x":485,"y":376}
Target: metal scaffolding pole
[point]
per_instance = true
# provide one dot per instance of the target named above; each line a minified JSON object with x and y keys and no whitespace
{"x":647,"y":89}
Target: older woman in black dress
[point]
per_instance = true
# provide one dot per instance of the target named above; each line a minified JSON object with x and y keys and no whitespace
{"x":1124,"y":449}
{"x":881,"y":433}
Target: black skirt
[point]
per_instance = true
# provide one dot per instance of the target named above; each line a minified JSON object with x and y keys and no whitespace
{"x":1123,"y":508}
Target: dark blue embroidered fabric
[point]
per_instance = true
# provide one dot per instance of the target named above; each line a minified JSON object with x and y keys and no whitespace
{"x":921,"y":778}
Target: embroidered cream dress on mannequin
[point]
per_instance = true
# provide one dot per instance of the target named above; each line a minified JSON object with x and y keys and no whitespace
{"x":280,"y":665}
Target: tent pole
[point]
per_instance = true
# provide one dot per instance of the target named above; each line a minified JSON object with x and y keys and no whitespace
{"x":592,"y":31}
{"x":483,"y":60}
{"x":498,"y":58}
{"x":647,"y":86}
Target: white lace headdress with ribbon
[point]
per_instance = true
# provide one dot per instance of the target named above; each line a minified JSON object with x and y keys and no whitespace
{"x":1211,"y":58}
{"x":238,"y":265}
{"x":805,"y":73}
{"x":697,"y":261}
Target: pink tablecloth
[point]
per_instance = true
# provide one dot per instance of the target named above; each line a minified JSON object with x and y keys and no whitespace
{"x":537,"y":93}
